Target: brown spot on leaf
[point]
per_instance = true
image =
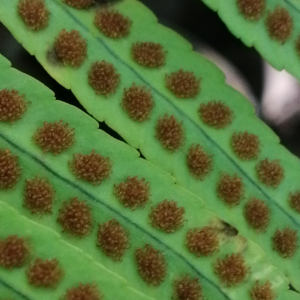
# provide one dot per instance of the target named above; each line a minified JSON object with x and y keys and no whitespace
{"x":169,"y":132}
{"x":257,"y":214}
{"x":54,"y":137}
{"x":148,"y":54}
{"x":183,"y":84}
{"x":83,"y":292}
{"x":12,"y":105}
{"x":232,"y":269}
{"x":112,"y":239}
{"x":167,"y":216}
{"x":262,"y":291}
{"x":112,"y":24}
{"x":137,"y":102}
{"x":151,"y":264}
{"x":202,"y":241}
{"x":199,"y":162}
{"x":92,"y":167}
{"x":279,"y":24}
{"x":80,"y":4}
{"x":230,"y":189}
{"x":14,"y":252}
{"x":245,"y":145}
{"x":38,"y":195}
{"x":34,"y":13}
{"x":215,"y":114}
{"x":295,"y":201}
{"x":75,"y":217}
{"x":9,"y":169}
{"x":44,"y":273}
{"x":70,"y":48}
{"x":187,"y":288}
{"x":271,"y":173}
{"x":252,"y":9}
{"x":285,"y":242}
{"x":103,"y":78}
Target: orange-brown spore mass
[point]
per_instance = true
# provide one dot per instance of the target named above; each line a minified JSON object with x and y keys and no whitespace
{"x":257,"y":214}
{"x":215,"y":114}
{"x":44,"y":273}
{"x":230,"y":189}
{"x":252,"y":9}
{"x":75,"y":217}
{"x":80,"y":4}
{"x":169,"y":132}
{"x":202,"y":241}
{"x":245,"y":145}
{"x":112,"y":239}
{"x":183,"y":84}
{"x":199,"y":162}
{"x":148,"y":54}
{"x":167,"y":216}
{"x":133,"y":192}
{"x":38,"y":195}
{"x":262,"y":292}
{"x":271,"y":173}
{"x":14,"y":252}
{"x":151,"y":264}
{"x":12,"y":105}
{"x":92,"y":167}
{"x":112,"y":23}
{"x":279,"y":24}
{"x":138,"y":102}
{"x":187,"y":288}
{"x":54,"y":137}
{"x":232,"y":269}
{"x":295,"y":201}
{"x":285,"y":242}
{"x":9,"y":169}
{"x":83,"y":292}
{"x":103,"y":78}
{"x":70,"y":48}
{"x":34,"y":13}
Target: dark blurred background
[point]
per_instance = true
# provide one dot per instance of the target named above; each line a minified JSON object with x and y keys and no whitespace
{"x":243,"y":66}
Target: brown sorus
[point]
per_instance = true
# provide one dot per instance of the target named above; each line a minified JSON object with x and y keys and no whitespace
{"x":187,"y":288}
{"x":75,"y":217}
{"x":215,"y":114}
{"x":12,"y":105}
{"x":271,"y":173}
{"x":133,"y":192}
{"x":245,"y":145}
{"x":295,"y":201}
{"x":151,"y":265}
{"x":44,"y":273}
{"x":167,"y":216}
{"x":92,"y":167}
{"x":54,"y":137}
{"x":70,"y":48}
{"x":285,"y":242}
{"x":232,"y":269}
{"x":80,"y":4}
{"x":202,"y":241}
{"x":138,"y":102}
{"x":83,"y":292}
{"x":230,"y":189}
{"x":183,"y":84}
{"x":112,"y":24}
{"x":103,"y":78}
{"x":169,"y":132}
{"x":38,"y":195}
{"x":9,"y":169}
{"x":279,"y":24}
{"x":252,"y":9}
{"x":148,"y":54}
{"x":199,"y":162}
{"x":112,"y":239}
{"x":34,"y":13}
{"x":262,"y":291}
{"x":13,"y":252}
